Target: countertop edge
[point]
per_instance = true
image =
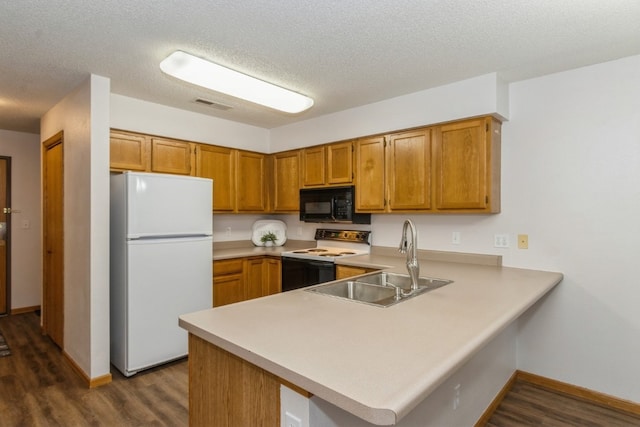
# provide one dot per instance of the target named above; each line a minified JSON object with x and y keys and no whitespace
{"x":378,"y":416}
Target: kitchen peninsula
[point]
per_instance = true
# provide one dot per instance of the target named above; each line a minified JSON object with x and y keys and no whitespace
{"x":379,"y":364}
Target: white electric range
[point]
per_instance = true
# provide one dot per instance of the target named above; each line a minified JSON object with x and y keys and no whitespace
{"x":306,"y":267}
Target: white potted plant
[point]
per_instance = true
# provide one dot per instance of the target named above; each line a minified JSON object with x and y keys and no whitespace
{"x":269,"y":238}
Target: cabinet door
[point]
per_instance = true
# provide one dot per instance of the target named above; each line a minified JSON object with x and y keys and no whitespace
{"x":272,"y":280}
{"x":169,"y":156}
{"x":313,"y":166}
{"x":228,"y":282}
{"x":219,"y":164}
{"x":409,"y":170}
{"x":370,"y":171}
{"x":228,"y":289}
{"x":129,"y":151}
{"x":286,"y":181}
{"x":340,"y":163}
{"x":462,"y":165}
{"x":251,"y":179}
{"x":345,"y":271}
{"x":255,"y":277}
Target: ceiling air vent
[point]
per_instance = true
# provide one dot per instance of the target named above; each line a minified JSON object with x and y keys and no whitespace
{"x":212,"y":104}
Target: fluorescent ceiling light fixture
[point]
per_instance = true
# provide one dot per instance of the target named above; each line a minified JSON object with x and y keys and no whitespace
{"x":212,"y":76}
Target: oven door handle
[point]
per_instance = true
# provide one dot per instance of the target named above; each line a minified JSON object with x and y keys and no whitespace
{"x":320,"y":263}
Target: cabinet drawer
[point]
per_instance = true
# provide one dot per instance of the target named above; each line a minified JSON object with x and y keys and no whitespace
{"x":224,"y":267}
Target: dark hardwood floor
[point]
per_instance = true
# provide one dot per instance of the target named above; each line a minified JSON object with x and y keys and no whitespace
{"x":38,"y":387}
{"x":528,"y":404}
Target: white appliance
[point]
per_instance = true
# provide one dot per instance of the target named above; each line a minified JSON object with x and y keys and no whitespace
{"x":161,"y":265}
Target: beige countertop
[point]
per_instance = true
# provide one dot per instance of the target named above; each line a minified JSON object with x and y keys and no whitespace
{"x":377,"y":363}
{"x":243,"y":249}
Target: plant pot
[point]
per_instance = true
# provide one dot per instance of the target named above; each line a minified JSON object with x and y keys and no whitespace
{"x":268,"y":244}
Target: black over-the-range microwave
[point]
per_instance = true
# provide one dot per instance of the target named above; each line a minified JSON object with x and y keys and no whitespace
{"x":331,"y":204}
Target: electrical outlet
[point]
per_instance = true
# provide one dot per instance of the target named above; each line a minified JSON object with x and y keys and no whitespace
{"x":227,"y":231}
{"x":291,"y":420}
{"x":456,"y":397}
{"x":501,"y":240}
{"x":523,"y":241}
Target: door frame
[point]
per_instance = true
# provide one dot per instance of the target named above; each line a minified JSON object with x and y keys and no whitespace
{"x":8,"y":237}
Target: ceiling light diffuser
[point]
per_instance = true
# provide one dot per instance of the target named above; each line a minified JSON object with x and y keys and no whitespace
{"x":212,"y":76}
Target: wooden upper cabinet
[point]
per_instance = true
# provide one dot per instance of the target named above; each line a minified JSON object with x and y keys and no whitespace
{"x":129,"y":151}
{"x":408,"y":160}
{"x":251,"y":174}
{"x":171,"y":156}
{"x":339,"y":163}
{"x":370,"y":179}
{"x":286,"y":181}
{"x":393,"y":172}
{"x":467,"y":165}
{"x":219,"y":164}
{"x":325,"y":165}
{"x":313,"y":166}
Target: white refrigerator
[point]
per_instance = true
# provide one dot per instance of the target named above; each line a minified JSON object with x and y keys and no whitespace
{"x":161,"y":265}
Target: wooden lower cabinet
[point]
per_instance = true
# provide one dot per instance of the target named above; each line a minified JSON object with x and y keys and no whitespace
{"x":241,"y":279}
{"x":228,"y":282}
{"x":345,"y":271}
{"x":227,"y":391}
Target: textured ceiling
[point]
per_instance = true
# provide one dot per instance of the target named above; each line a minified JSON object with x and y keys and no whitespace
{"x":342,"y":53}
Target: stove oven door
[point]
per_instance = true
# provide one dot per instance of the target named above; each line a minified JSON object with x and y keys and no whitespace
{"x":299,"y":273}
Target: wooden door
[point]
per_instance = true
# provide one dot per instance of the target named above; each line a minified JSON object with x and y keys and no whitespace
{"x":169,"y":156}
{"x":340,"y":163}
{"x":129,"y":151}
{"x":313,"y":166}
{"x":370,"y":175}
{"x":219,"y":164}
{"x":5,"y":224}
{"x":286,"y":181}
{"x":409,"y":170}
{"x":461,"y":157}
{"x":251,"y":178}
{"x":53,"y":239}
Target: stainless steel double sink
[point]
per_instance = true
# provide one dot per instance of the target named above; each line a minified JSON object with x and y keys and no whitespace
{"x":381,"y":289}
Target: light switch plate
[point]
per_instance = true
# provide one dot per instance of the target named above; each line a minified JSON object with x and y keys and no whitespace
{"x":501,"y":241}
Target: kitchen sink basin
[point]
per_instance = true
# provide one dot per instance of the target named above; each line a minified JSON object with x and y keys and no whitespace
{"x":379,"y":289}
{"x":402,"y":280}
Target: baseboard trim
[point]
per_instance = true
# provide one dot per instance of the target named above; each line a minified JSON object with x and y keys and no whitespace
{"x":488,"y":413}
{"x":581,"y":393}
{"x":22,"y":310}
{"x":559,"y":387}
{"x":90,"y":382}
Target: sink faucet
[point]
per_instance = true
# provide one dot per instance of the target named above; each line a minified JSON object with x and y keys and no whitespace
{"x":412,"y":252}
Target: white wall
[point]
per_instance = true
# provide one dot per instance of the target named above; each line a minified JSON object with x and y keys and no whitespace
{"x":83,"y":116}
{"x":573,"y":159}
{"x":26,"y":246}
{"x":155,"y":119}
{"x":481,"y":95}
